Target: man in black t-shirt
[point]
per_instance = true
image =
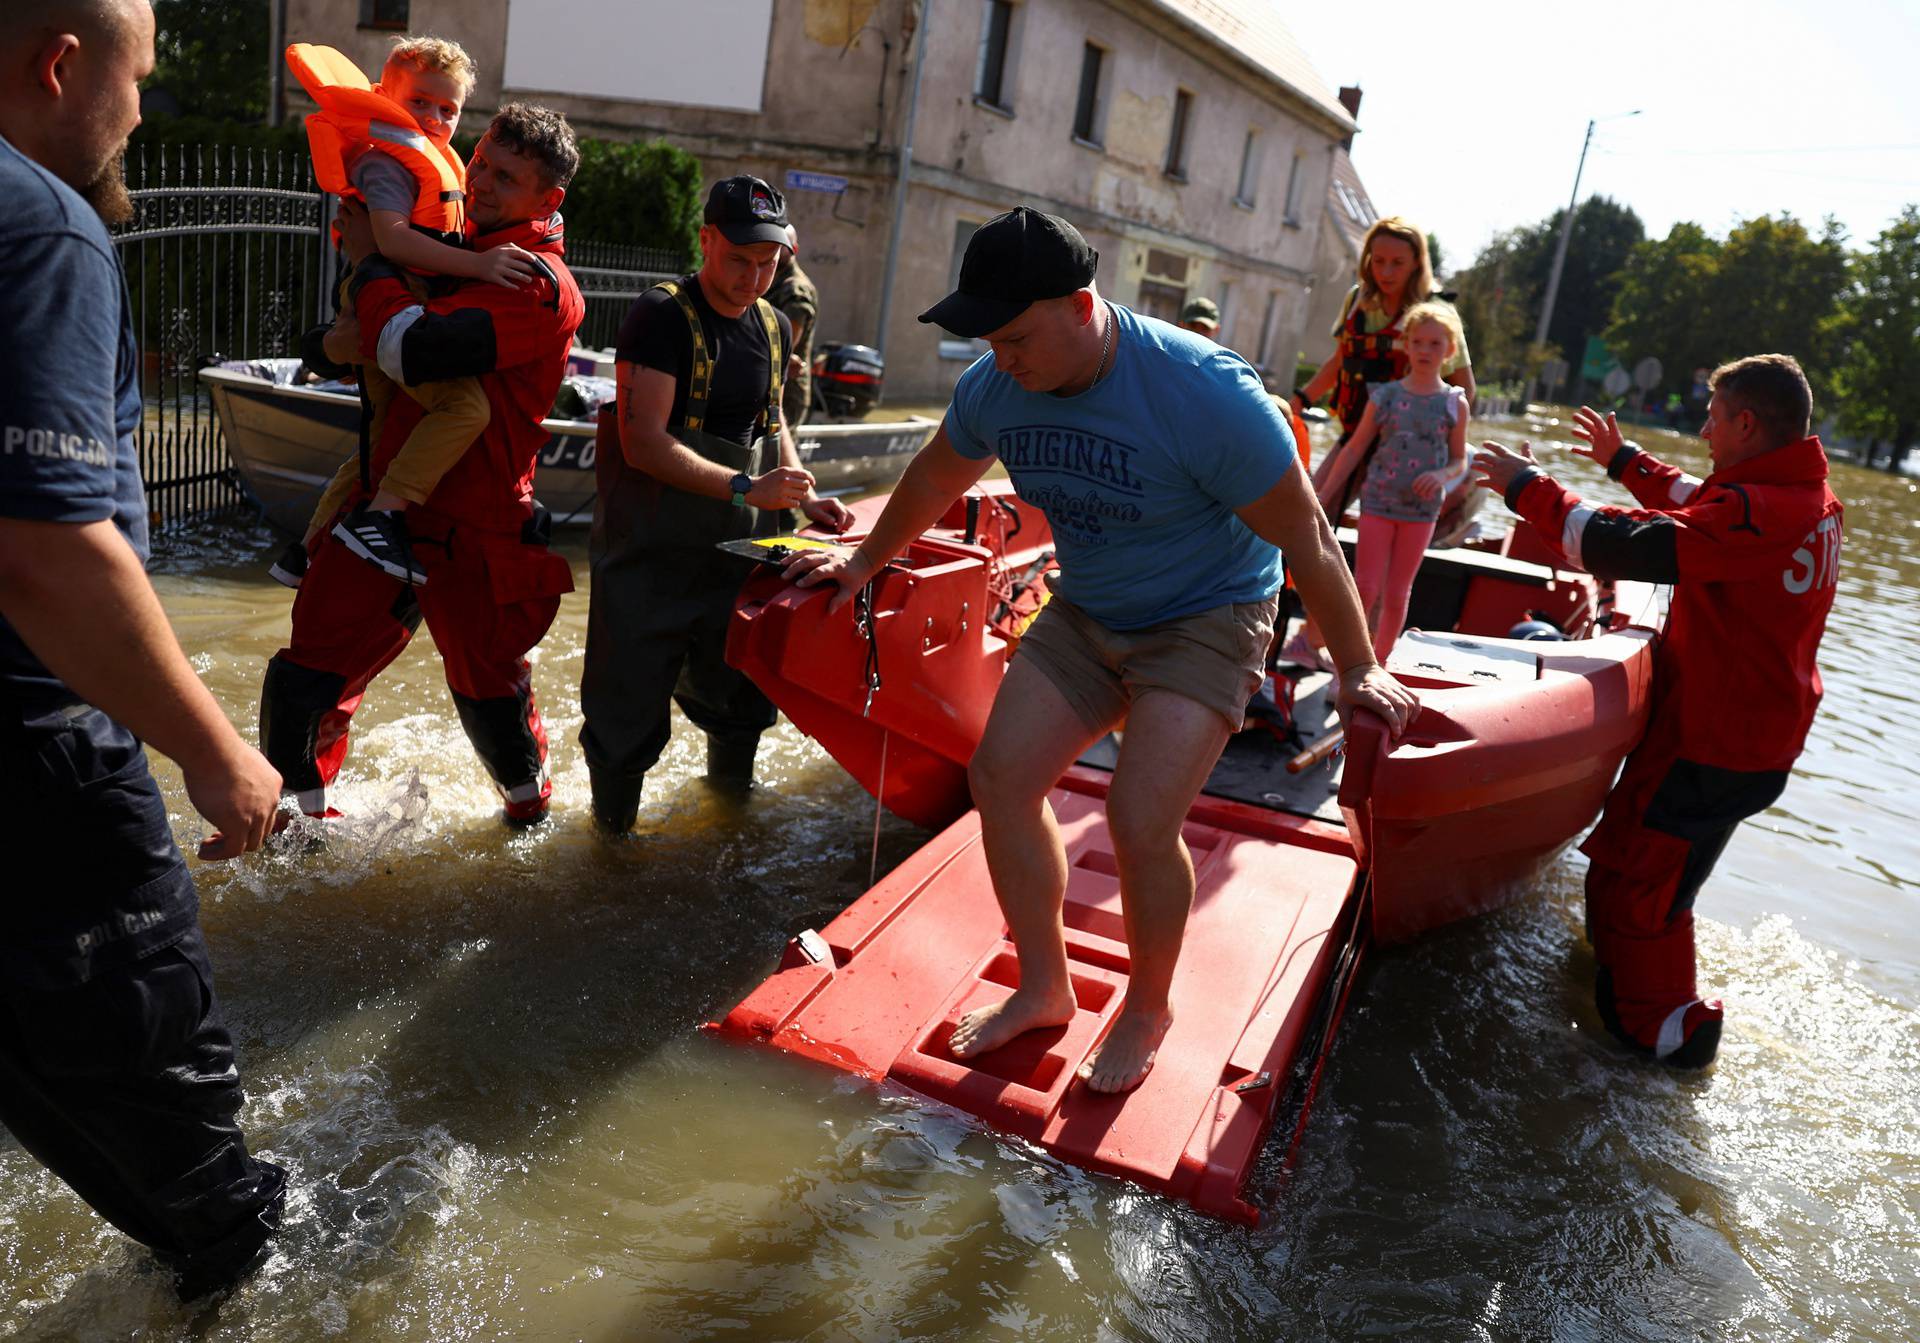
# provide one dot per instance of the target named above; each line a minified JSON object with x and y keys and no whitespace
{"x":704,"y":457}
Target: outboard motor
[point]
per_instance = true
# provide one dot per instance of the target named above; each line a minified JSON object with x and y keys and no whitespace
{"x":846,"y":379}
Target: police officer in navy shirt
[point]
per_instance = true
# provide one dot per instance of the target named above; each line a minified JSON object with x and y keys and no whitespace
{"x":116,"y":1069}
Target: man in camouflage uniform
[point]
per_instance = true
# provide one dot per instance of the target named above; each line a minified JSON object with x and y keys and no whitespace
{"x":793,"y":294}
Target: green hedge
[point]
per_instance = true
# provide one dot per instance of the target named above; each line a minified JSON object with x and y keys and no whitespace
{"x":646,"y":195}
{"x":633,"y":194}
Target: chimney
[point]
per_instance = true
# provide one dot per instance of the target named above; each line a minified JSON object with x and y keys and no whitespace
{"x":1350,"y":99}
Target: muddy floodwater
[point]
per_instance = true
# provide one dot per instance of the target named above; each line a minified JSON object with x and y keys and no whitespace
{"x":478,"y":1054}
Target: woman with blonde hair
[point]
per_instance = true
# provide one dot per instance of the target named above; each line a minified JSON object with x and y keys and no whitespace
{"x":1369,"y":350}
{"x":1369,"y":341}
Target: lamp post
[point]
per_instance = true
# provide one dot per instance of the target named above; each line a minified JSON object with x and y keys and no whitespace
{"x":1566,"y":231}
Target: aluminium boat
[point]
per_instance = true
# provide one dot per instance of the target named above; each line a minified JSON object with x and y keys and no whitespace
{"x":287,"y":440}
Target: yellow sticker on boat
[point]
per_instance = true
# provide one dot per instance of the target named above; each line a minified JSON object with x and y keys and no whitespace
{"x":795,"y":543}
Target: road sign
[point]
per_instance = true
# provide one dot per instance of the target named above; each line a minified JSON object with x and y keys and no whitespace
{"x":1616,"y":382}
{"x":1646,"y":373}
{"x":798,"y":180}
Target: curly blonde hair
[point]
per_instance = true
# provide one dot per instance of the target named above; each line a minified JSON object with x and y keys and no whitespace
{"x":436,"y":55}
{"x":1441,"y":315}
{"x":1420,"y":285}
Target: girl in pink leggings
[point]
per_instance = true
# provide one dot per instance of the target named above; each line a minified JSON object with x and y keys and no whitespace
{"x":1421,"y":425}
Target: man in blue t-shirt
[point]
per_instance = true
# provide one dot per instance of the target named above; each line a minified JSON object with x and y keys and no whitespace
{"x":116,"y":1068}
{"x":1172,"y":484}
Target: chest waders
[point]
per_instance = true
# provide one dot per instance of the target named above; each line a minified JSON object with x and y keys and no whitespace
{"x":663,"y":598}
{"x":641,"y":514}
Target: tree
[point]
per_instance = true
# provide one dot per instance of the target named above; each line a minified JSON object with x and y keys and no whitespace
{"x":1772,"y":286}
{"x":1604,"y":236}
{"x":211,"y":56}
{"x":1495,"y":310}
{"x":1778,"y":289}
{"x":1878,"y":331}
{"x":1501,"y":293}
{"x":1662,"y":304}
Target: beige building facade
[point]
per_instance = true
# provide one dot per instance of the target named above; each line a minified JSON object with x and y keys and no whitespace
{"x":1190,"y":140}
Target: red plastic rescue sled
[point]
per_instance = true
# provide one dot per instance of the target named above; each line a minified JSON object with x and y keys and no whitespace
{"x":1512,"y":753}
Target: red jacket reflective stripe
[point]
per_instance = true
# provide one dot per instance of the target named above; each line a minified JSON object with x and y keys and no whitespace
{"x":1757,"y":549}
{"x":356,"y":118}
{"x":515,"y":341}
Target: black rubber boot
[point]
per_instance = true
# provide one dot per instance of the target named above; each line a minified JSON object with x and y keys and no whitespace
{"x":730,"y":763}
{"x":222,"y":1265}
{"x":616,"y":801}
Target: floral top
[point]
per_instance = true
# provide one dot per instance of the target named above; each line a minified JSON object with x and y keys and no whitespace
{"x":1415,"y":430}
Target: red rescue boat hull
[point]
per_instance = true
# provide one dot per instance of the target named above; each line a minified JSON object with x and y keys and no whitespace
{"x":1509,"y":760}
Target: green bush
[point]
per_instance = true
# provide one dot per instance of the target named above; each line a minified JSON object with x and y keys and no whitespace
{"x":645,"y":195}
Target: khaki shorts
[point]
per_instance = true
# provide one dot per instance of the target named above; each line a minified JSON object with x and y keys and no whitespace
{"x":1216,"y":657}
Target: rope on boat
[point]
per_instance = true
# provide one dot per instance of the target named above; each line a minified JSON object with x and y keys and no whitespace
{"x":863,"y":622}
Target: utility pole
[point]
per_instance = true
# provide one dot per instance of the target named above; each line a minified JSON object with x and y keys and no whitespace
{"x":900,"y":183}
{"x":1566,"y":236}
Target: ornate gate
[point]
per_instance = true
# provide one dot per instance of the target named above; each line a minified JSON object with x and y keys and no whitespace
{"x":226,"y":257}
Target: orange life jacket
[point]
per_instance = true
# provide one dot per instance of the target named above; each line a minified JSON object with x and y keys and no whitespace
{"x":355,"y":118}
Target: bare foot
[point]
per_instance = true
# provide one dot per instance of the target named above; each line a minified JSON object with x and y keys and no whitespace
{"x":987,"y":1028}
{"x":1122,"y":1061}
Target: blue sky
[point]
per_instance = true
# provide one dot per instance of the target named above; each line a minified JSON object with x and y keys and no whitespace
{"x":1473,"y":113}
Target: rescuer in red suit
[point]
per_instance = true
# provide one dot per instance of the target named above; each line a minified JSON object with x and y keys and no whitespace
{"x":1753,"y":553}
{"x":492,"y":587}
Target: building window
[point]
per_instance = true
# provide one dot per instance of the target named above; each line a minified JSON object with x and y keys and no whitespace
{"x":1177,"y":139}
{"x":963,"y":232}
{"x":1160,"y":300}
{"x":1249,"y":170}
{"x":1164,"y":265}
{"x":1266,"y":333}
{"x":1164,"y":284}
{"x":990,"y":82}
{"x":390,"y":14}
{"x":952,"y":347}
{"x":1086,"y":112}
{"x":1296,"y":182}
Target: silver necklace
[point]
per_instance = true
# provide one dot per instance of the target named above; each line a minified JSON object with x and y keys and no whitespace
{"x":1106,"y":344}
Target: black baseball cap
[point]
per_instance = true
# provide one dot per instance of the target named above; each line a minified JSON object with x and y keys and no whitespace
{"x":746,"y":210}
{"x":1013,"y":261}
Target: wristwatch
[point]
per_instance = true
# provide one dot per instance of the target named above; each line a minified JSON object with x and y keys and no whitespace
{"x":740,"y":484}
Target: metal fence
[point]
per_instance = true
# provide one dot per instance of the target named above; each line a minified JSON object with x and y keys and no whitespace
{"x":611,"y":276}
{"x":225,"y":258}
{"x":228,"y":256}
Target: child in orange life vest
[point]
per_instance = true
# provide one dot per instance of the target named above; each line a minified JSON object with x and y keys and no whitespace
{"x":1421,"y":423}
{"x":428,"y":79}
